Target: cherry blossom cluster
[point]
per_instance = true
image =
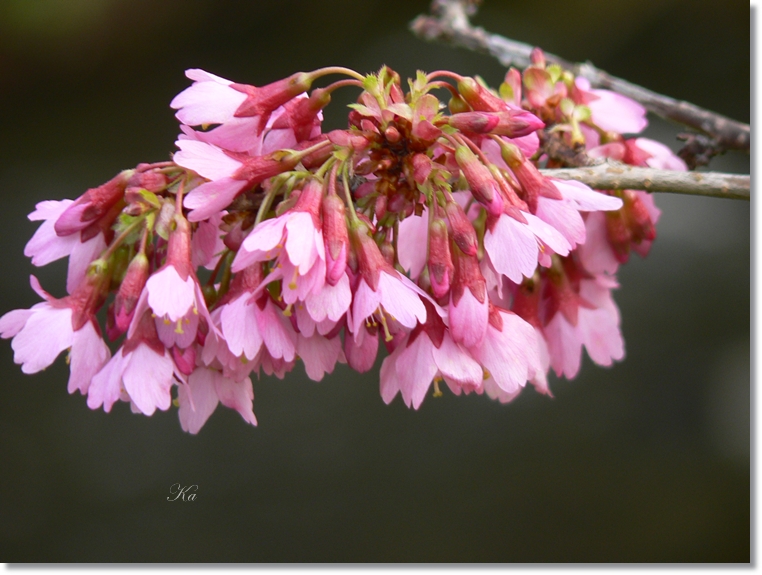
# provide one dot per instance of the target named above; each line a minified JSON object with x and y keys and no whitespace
{"x":425,"y":226}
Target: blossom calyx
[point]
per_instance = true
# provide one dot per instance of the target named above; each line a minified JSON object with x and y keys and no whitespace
{"x":262,"y":101}
{"x":92,"y":205}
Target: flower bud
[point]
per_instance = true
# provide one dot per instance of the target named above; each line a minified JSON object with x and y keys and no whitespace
{"x":336,"y":237}
{"x":483,"y":186}
{"x":439,"y":260}
{"x":479,"y":97}
{"x":463,"y":233}
{"x":509,"y":123}
{"x":130,"y":290}
{"x":532,"y":182}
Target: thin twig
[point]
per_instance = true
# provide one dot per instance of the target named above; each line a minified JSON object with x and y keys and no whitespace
{"x":616,"y":176}
{"x":452,"y":25}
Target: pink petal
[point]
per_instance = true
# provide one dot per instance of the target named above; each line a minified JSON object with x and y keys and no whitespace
{"x":238,"y":396}
{"x":207,"y":102}
{"x":169,"y":295}
{"x":278,"y":335}
{"x":238,"y":321}
{"x":205,"y":159}
{"x":364,"y":304}
{"x":82,"y":255}
{"x":260,"y":244}
{"x":330,"y":302}
{"x":147,"y":378}
{"x":468,"y":319}
{"x":197,"y":399}
{"x":361,"y":350}
{"x":106,"y":386}
{"x":564,"y":346}
{"x":585,"y":198}
{"x":512,"y":248}
{"x":456,"y":364}
{"x":319,"y":354}
{"x":415,"y":370}
{"x":89,"y":353}
{"x":400,"y":301}
{"x":560,"y":215}
{"x":14,"y":321}
{"x":411,"y":247}
{"x":548,"y":234}
{"x":46,"y":333}
{"x":208,"y":199}
{"x":616,"y":113}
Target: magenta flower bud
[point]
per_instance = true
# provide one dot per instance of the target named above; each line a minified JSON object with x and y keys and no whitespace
{"x":463,"y":233}
{"x":439,"y":262}
{"x":532,"y":182}
{"x":92,"y":205}
{"x":511,"y":88}
{"x":538,"y":57}
{"x":510,"y":123}
{"x":422,"y":166}
{"x":468,"y":307}
{"x":129,"y":292}
{"x":483,"y":185}
{"x":479,"y":97}
{"x":336,"y":237}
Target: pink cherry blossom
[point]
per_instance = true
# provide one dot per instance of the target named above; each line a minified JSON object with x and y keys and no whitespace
{"x":205,"y":389}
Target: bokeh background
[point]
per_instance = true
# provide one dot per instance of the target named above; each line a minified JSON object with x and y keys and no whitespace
{"x":646,"y":461}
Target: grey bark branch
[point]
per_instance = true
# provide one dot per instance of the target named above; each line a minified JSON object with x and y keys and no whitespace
{"x":452,"y":25}
{"x":615,"y":176}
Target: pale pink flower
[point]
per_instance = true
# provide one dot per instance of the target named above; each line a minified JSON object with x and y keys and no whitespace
{"x":173,"y":293}
{"x":205,"y":389}
{"x":209,"y":100}
{"x":596,"y":328}
{"x":563,"y":214}
{"x":610,"y":111}
{"x":509,"y":352}
{"x":427,"y":353}
{"x":47,"y":246}
{"x":296,"y":239}
{"x":319,"y":354}
{"x":514,"y":246}
{"x":41,"y":333}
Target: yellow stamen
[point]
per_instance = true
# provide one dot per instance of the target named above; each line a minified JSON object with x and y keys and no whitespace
{"x":487,"y":374}
{"x":179,"y":328}
{"x":287,"y":311}
{"x":437,"y":391}
{"x":166,"y":321}
{"x":382,"y":319}
{"x":176,"y":402}
{"x":292,"y":285}
{"x":68,"y":356}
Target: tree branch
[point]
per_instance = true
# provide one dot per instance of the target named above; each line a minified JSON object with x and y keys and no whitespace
{"x":452,"y":25}
{"x":615,"y":176}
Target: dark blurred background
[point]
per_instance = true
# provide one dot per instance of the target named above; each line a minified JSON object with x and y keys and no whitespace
{"x":645,"y":461}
